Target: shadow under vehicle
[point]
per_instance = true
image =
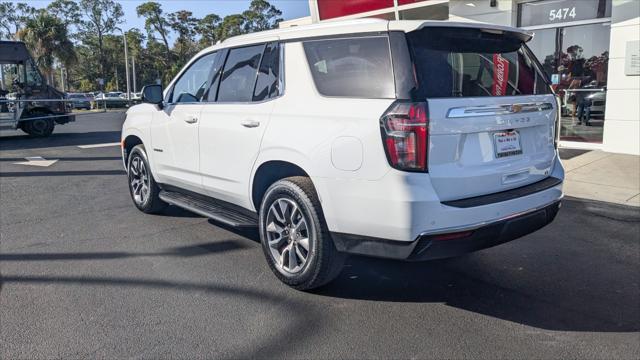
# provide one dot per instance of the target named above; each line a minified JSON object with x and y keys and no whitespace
{"x":26,"y":101}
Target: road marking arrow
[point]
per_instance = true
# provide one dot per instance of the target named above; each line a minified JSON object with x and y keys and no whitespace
{"x":37,"y":161}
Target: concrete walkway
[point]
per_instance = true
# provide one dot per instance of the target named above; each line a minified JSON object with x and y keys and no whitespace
{"x":602,"y":176}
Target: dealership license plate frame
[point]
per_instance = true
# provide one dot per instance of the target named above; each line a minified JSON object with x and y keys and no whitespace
{"x":511,"y":147}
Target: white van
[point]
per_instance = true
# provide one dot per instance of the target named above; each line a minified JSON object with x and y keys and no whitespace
{"x":410,"y":140}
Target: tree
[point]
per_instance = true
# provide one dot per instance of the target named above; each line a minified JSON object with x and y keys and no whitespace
{"x":207,"y":28}
{"x":184,"y":24}
{"x":15,"y":15}
{"x":261,"y":16}
{"x":67,"y":11}
{"x":48,"y":40}
{"x":102,"y":18}
{"x":155,"y":22}
{"x":231,"y":25}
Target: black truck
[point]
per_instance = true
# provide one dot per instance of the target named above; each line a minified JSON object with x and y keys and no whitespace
{"x":26,"y":101}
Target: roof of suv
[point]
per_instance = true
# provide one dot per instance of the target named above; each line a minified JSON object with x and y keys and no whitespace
{"x":330,"y":28}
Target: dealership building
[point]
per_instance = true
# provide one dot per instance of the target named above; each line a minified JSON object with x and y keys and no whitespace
{"x":588,"y":48}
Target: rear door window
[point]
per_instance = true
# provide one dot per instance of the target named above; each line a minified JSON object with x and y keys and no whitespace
{"x":457,"y":62}
{"x":268,"y":84}
{"x":354,"y":67}
{"x":239,"y":74}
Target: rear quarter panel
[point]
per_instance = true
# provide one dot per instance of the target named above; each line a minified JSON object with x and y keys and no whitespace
{"x":330,"y":138}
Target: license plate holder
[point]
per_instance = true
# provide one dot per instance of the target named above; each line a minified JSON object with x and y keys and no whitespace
{"x":506,"y":143}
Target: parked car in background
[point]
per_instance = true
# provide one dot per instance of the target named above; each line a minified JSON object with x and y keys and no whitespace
{"x":410,"y":140}
{"x":79,"y":101}
{"x":112,"y":99}
{"x":597,"y":107}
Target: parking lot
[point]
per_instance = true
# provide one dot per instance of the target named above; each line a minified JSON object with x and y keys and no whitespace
{"x":84,"y":274}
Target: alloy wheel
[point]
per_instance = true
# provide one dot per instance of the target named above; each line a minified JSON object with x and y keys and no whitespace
{"x":287,"y":235}
{"x":139,"y":180}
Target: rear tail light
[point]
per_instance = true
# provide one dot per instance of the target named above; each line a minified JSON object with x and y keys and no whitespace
{"x":405,"y":133}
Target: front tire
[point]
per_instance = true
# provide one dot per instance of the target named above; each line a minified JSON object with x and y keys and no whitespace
{"x":39,"y":127}
{"x":294,"y":236}
{"x":142,"y":187}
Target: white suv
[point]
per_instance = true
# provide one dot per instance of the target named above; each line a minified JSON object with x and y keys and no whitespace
{"x":409,"y":140}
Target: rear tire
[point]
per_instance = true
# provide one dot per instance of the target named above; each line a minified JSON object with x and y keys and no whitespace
{"x":143,"y":188}
{"x":294,"y":236}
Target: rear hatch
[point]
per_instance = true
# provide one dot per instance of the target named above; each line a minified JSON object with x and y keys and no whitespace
{"x":491,"y":113}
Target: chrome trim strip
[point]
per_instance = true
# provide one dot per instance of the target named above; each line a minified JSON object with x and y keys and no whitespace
{"x":475,"y":226}
{"x":493,"y":110}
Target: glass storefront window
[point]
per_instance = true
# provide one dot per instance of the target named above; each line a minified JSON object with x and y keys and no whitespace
{"x":576,"y":59}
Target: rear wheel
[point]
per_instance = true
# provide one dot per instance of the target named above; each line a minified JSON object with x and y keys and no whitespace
{"x":142,"y":187}
{"x":294,"y":236}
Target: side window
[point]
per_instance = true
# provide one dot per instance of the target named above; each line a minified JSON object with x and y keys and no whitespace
{"x":239,"y":74}
{"x":354,"y":67}
{"x":33,"y":75}
{"x":268,"y":83}
{"x":194,"y":82}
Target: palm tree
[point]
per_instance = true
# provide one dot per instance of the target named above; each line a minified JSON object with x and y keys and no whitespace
{"x":48,"y":39}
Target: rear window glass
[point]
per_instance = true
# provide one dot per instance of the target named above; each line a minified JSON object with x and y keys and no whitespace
{"x":239,"y":74}
{"x":452,"y":62}
{"x":268,"y":83}
{"x":355,"y":67}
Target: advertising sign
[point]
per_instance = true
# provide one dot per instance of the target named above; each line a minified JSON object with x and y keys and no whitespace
{"x":500,"y":75}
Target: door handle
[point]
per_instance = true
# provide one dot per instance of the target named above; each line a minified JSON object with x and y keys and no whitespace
{"x":191,"y":119}
{"x":250,"y":123}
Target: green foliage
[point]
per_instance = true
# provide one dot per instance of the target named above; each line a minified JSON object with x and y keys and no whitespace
{"x":85,"y":37}
{"x":46,"y":36}
{"x":85,"y":85}
{"x":13,"y":17}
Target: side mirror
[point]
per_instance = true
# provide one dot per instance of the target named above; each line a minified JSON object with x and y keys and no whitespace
{"x":152,"y":94}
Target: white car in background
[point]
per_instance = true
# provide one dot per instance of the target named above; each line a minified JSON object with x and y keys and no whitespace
{"x":409,"y":140}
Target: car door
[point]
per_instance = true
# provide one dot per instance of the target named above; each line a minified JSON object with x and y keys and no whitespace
{"x":232,"y":127}
{"x":174,"y":129}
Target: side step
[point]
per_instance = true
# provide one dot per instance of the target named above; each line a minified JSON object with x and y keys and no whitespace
{"x":212,"y":209}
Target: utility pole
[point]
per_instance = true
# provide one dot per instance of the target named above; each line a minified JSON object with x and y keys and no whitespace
{"x":135,"y":84}
{"x":62,"y":78}
{"x":126,"y":67}
{"x":117,"y":85}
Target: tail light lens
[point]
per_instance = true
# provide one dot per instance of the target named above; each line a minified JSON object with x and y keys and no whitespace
{"x":405,"y":132}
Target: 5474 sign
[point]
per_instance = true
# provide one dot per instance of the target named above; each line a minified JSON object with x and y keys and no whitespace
{"x":562,"y":14}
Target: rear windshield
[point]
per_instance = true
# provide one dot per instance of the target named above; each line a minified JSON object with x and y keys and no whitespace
{"x":351,"y":67}
{"x":457,"y":62}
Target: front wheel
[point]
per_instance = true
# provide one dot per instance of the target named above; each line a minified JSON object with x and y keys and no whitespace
{"x":39,"y":127}
{"x":294,"y":236}
{"x":142,"y":187}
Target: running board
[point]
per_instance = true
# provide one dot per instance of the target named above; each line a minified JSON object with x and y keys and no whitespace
{"x":209,"y":208}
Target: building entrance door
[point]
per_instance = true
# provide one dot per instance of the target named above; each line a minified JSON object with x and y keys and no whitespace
{"x":575,"y":56}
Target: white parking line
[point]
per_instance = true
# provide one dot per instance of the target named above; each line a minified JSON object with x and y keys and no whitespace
{"x":98,"y":145}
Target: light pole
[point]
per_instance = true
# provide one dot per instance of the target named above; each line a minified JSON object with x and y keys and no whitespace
{"x":126,"y":66}
{"x":135,"y":84}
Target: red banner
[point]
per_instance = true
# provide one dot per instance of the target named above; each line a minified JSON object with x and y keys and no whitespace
{"x":329,"y":9}
{"x":500,"y":75}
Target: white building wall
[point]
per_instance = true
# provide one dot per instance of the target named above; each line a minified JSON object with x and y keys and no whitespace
{"x":622,"y":117}
{"x":482,"y":11}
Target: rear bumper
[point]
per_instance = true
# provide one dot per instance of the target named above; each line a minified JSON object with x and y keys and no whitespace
{"x":430,"y":246}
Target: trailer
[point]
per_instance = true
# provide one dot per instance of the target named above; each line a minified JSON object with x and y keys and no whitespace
{"x":27,"y":102}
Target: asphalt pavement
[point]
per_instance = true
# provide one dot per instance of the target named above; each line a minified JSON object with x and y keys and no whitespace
{"x":84,"y":274}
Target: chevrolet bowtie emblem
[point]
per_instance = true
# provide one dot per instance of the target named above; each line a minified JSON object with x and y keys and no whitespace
{"x":516,"y":108}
